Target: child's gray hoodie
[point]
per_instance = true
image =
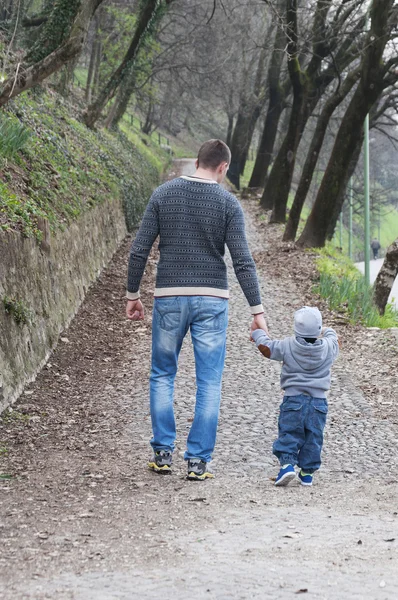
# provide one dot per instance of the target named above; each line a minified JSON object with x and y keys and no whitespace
{"x":306,"y":367}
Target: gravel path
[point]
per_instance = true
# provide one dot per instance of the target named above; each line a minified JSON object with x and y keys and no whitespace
{"x":83,"y":519}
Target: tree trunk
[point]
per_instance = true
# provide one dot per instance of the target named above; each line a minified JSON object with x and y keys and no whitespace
{"x":230,"y":129}
{"x":147,"y":127}
{"x":97,"y":68}
{"x":148,"y":13}
{"x":277,"y":187}
{"x":91,"y":66}
{"x":248,"y":114}
{"x":26,"y":78}
{"x":313,"y":153}
{"x":368,"y":91}
{"x":238,"y":143}
{"x":342,"y":193}
{"x":66,"y":79}
{"x":278,"y":184}
{"x":122,"y":100}
{"x":277,"y":95}
{"x":267,"y":143}
{"x":386,"y":277}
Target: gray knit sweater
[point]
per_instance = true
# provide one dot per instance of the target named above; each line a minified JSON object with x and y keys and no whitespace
{"x":194,"y":220}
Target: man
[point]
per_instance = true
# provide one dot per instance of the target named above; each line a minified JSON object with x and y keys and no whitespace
{"x":375,"y":245}
{"x":194,"y":217}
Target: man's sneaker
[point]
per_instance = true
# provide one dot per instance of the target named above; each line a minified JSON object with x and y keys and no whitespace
{"x":161,"y":462}
{"x":305,"y":478}
{"x":285,"y":475}
{"x":198,"y":470}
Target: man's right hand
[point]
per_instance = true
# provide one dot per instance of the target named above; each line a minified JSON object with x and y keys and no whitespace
{"x":259,"y":322}
{"x":135,"y":310}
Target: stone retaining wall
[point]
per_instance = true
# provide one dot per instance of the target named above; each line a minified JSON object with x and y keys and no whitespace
{"x":42,"y":286}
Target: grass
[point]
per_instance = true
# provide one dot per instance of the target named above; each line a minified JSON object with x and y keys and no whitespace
{"x":245,"y":178}
{"x":80,"y":77}
{"x":146,"y":146}
{"x":346,"y":290}
{"x":13,"y":416}
{"x":13,"y":136}
{"x":63,"y":169}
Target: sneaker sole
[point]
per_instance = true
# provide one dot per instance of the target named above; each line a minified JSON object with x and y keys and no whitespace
{"x":306,"y":484}
{"x":165,"y":470}
{"x":285,"y":479}
{"x":194,"y":477}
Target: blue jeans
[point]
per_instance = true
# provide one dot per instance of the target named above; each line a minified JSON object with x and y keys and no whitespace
{"x":207,"y":318}
{"x":301,"y":423}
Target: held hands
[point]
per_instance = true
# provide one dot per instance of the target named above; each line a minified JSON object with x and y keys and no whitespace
{"x":258,"y":322}
{"x":135,"y":310}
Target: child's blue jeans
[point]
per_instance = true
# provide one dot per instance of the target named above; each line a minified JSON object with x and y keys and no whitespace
{"x":301,"y":423}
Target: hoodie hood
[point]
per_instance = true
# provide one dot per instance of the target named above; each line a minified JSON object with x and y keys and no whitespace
{"x":308,"y":356}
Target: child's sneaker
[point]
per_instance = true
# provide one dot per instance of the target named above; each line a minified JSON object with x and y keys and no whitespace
{"x":305,"y":478}
{"x":285,"y":475}
{"x":161,"y":462}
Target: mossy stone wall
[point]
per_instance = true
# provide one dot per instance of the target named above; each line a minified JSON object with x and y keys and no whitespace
{"x":46,"y":283}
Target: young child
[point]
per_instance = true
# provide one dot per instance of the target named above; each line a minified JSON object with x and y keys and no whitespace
{"x":305,"y":378}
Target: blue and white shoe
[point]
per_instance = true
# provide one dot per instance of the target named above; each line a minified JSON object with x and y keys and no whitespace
{"x":285,"y":475}
{"x":305,"y":478}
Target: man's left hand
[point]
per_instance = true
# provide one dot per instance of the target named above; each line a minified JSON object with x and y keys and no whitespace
{"x":259,"y":322}
{"x":135,"y":310}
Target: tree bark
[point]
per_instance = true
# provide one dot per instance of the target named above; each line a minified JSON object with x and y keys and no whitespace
{"x":342,"y":192}
{"x":368,"y":91}
{"x":97,"y":68}
{"x":122,"y":100}
{"x":313,"y":153}
{"x":25,"y":79}
{"x":386,"y":277}
{"x":91,"y":66}
{"x":230,"y":129}
{"x":148,"y":13}
{"x":277,"y":94}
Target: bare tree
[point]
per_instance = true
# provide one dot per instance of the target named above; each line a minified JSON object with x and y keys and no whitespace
{"x":309,"y":84}
{"x":376,"y":75}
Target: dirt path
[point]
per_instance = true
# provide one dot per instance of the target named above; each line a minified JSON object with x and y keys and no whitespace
{"x":82,"y":518}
